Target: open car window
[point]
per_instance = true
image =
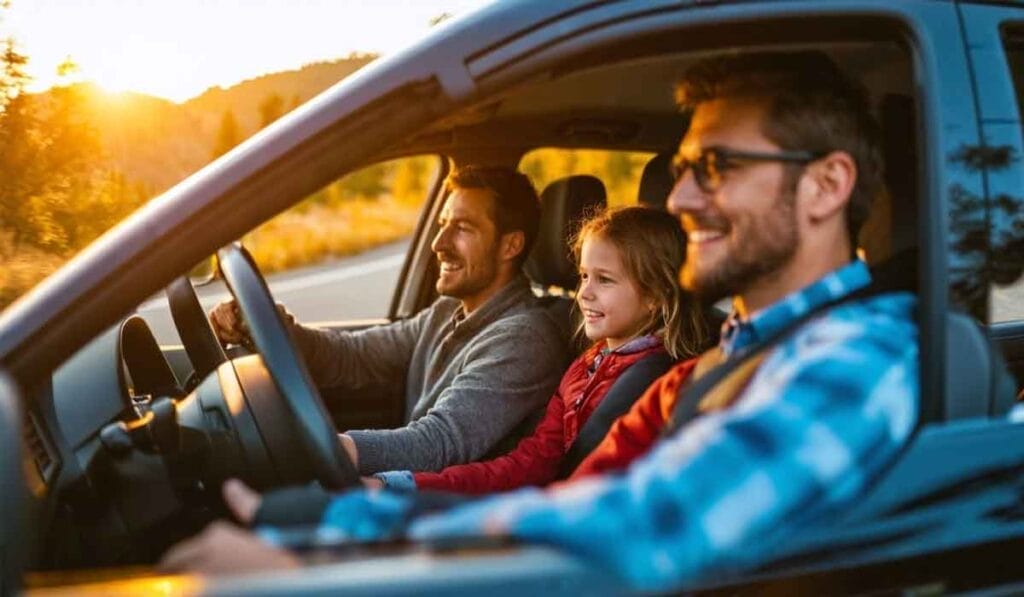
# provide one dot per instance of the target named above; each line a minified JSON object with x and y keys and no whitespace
{"x":337,"y":255}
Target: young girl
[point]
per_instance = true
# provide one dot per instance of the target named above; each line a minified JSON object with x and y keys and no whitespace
{"x":630,"y":307}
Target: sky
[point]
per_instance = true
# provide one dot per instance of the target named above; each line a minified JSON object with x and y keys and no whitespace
{"x":178,"y":48}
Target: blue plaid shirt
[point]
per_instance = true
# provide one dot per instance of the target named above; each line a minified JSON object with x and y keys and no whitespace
{"x":827,"y":410}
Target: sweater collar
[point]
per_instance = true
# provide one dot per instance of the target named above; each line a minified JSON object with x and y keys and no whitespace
{"x":516,"y":292}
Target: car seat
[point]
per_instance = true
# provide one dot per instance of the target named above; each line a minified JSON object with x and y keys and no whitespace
{"x":565,"y":203}
{"x":656,"y":182}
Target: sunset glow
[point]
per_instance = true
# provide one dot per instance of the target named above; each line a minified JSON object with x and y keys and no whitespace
{"x":178,"y":49}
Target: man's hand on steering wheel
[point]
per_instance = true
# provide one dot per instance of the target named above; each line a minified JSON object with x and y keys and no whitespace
{"x":230,"y":327}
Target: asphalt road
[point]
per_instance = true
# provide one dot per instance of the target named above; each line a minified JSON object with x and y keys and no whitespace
{"x":356,"y":287}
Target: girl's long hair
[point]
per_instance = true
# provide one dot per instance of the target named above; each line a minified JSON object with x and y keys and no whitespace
{"x":652,"y":247}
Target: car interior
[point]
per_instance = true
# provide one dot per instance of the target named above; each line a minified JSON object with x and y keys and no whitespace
{"x":107,"y":498}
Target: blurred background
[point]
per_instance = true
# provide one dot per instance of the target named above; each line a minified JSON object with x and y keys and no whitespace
{"x":105,"y":104}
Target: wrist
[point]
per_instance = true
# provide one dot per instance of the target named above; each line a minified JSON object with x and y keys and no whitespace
{"x":397,"y":480}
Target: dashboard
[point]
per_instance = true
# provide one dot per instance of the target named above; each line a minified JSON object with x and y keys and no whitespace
{"x":94,"y":501}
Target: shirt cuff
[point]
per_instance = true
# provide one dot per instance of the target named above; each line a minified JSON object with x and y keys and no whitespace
{"x":397,"y":480}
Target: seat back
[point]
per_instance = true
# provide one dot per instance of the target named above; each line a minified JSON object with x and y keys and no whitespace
{"x":978,"y":383}
{"x":563,"y":205}
{"x":656,"y":182}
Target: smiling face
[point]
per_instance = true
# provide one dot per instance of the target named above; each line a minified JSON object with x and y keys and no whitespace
{"x":613,"y":307}
{"x":467,"y":246}
{"x":744,"y":231}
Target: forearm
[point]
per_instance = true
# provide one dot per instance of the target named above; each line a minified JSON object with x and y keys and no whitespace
{"x":446,"y":435}
{"x":371,"y":357}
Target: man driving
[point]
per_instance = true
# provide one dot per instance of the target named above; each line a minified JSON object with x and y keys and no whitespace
{"x":474,"y":364}
{"x":818,"y":387}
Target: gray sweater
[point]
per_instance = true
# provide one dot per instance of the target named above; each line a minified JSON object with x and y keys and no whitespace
{"x":468,"y":383}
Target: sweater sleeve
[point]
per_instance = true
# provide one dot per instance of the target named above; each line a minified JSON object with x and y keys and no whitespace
{"x":633,"y":434}
{"x":534,"y":461}
{"x":476,"y":410}
{"x":356,"y":359}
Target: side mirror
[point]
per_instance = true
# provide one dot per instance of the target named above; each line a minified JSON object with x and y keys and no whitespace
{"x":13,"y":539}
{"x":203,"y":272}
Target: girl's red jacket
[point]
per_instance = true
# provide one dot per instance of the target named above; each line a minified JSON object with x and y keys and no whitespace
{"x":633,"y":434}
{"x":535,"y":460}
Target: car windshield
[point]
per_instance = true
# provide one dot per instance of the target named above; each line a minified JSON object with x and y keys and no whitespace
{"x":94,"y":125}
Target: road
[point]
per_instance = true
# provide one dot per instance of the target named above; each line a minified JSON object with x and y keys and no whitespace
{"x":356,"y":287}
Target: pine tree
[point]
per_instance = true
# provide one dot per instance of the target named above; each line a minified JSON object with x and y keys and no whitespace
{"x":228,"y":135}
{"x":271,"y":108}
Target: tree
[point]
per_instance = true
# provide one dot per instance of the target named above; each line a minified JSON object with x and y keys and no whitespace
{"x":271,"y":108}
{"x":228,"y":135}
{"x":19,"y":165}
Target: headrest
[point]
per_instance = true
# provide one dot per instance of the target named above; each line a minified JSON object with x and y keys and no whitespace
{"x":563,"y":204}
{"x":656,"y":182}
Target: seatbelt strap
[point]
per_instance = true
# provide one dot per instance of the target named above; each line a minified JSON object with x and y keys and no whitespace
{"x":702,"y":393}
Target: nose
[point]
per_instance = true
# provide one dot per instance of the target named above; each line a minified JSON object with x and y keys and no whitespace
{"x":686,"y":195}
{"x":441,"y":240}
{"x":583,"y":292}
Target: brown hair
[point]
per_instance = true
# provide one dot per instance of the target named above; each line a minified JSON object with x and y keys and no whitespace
{"x":515,"y":201}
{"x":811,"y":106}
{"x":652,"y":247}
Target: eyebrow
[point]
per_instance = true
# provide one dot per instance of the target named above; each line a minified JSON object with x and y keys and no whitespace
{"x":455,"y":220}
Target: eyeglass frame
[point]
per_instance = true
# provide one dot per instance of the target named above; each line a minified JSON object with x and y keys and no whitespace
{"x":679,"y":165}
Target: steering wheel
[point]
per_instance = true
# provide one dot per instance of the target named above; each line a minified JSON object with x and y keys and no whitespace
{"x":309,"y":417}
{"x":197,"y":335}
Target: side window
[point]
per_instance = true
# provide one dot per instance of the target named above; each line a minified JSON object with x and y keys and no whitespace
{"x":337,"y":254}
{"x":1006,"y":198}
{"x":620,"y":171}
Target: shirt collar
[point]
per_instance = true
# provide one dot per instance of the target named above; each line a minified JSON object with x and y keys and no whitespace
{"x":737,"y":333}
{"x":516,"y":292}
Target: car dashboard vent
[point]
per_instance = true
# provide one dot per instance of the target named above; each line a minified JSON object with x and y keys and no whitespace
{"x":38,"y":448}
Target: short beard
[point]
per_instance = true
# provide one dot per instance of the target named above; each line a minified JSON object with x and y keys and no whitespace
{"x":765,"y":250}
{"x":471,"y":286}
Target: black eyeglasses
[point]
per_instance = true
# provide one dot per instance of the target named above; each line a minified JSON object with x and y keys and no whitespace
{"x":713,"y":162}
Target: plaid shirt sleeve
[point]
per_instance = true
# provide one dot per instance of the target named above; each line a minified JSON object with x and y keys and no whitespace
{"x":827,"y":411}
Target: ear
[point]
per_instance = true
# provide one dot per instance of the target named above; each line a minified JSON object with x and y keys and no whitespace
{"x":512,"y":244}
{"x":826,"y":185}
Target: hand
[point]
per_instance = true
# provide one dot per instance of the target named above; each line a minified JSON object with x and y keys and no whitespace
{"x":350,"y":448}
{"x":230,"y":326}
{"x":224,"y":548}
{"x":242,"y":500}
{"x":372,"y":483}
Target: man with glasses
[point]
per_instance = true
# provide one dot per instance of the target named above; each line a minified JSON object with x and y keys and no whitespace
{"x":817,"y":389}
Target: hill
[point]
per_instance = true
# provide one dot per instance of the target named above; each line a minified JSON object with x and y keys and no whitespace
{"x":155,"y":143}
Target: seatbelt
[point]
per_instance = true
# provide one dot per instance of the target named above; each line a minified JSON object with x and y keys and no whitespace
{"x":708,"y":375}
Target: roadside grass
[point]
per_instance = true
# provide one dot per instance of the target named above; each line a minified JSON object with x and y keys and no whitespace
{"x":22,"y":268}
{"x":292,"y":239}
{"x":306,"y":236}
